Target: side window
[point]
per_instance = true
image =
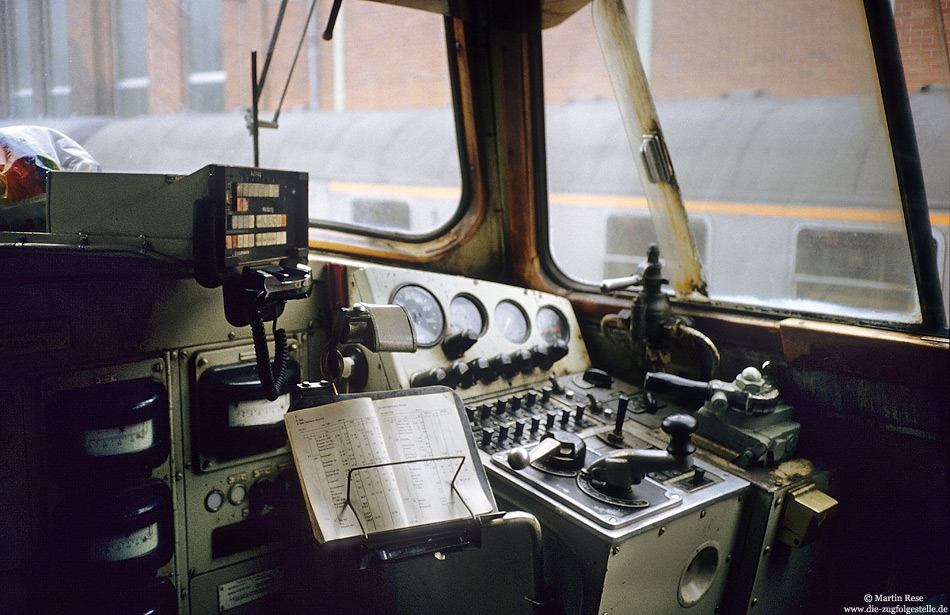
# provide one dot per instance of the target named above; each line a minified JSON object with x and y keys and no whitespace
{"x":384,"y":214}
{"x":165,"y":87}
{"x":26,"y":91}
{"x":131,"y":84}
{"x":626,"y":237}
{"x":871,"y":274}
{"x":778,"y":144}
{"x":204,"y":60}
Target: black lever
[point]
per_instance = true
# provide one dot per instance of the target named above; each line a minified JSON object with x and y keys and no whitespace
{"x":749,"y":393}
{"x":615,"y":472}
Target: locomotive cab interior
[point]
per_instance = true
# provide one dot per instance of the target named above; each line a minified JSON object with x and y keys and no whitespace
{"x":681,"y":271}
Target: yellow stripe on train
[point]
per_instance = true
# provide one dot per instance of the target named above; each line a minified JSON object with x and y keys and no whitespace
{"x":813,"y":212}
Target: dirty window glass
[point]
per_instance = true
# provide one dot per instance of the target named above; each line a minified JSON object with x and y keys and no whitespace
{"x":165,"y":87}
{"x":772,"y":115}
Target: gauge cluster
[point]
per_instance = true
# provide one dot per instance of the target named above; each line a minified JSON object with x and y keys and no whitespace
{"x":474,"y":336}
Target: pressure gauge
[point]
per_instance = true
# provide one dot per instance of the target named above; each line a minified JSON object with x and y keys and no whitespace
{"x":552,"y":325}
{"x":126,"y":531}
{"x":512,"y":322}
{"x":114,"y":427}
{"x":256,"y":412}
{"x":235,"y":419}
{"x":425,"y":312}
{"x":467,"y":313}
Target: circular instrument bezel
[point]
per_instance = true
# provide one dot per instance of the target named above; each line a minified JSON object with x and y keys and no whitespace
{"x":511,"y":321}
{"x":471,"y":302}
{"x":558,"y":323}
{"x":422,"y":296}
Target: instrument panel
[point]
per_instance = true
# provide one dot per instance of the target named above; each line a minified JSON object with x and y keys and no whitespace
{"x":475,"y":336}
{"x":517,"y":359}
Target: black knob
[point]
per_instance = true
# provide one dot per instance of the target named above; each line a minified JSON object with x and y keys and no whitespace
{"x":679,"y":427}
{"x":519,"y":428}
{"x":558,"y":350}
{"x":460,"y":374}
{"x":502,"y":366}
{"x":454,"y":346}
{"x":431,"y":377}
{"x":481,"y":370}
{"x":521,"y":362}
{"x":541,"y":357}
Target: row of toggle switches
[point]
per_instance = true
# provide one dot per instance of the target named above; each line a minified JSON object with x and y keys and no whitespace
{"x":525,"y":417}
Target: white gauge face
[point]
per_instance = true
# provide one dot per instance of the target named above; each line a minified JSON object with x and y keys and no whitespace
{"x":512,"y":322}
{"x":425,"y":312}
{"x":120,"y":548}
{"x":118,"y":440}
{"x":467,"y":312}
{"x":552,"y":325}
{"x":257,"y":411}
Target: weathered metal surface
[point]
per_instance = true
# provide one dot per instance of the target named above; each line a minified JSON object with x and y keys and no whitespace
{"x":640,"y":119}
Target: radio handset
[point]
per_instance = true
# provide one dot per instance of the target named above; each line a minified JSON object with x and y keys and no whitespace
{"x":250,"y":238}
{"x":258,"y":296}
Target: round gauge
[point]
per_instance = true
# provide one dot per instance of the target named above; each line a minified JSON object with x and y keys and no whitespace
{"x":512,"y":322}
{"x":466,"y":312}
{"x":425,"y":312}
{"x":552,"y":325}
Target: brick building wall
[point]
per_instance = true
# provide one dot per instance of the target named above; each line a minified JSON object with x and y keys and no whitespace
{"x":696,"y":54}
{"x":405,"y":52}
{"x":925,"y":54}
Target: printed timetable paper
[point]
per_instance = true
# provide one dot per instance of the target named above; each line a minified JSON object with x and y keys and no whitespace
{"x":414,"y":444}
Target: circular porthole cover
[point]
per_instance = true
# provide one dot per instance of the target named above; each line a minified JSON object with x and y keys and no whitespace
{"x":699,"y":574}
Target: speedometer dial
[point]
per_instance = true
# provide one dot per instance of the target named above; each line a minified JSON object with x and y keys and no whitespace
{"x":512,"y":322}
{"x":552,"y":325}
{"x":425,"y":312}
{"x":466,"y":312}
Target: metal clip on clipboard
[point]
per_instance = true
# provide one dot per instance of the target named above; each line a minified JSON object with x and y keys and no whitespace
{"x":435,"y":538}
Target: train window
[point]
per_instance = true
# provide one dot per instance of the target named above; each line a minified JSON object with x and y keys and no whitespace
{"x":165,"y":87}
{"x":773,"y":117}
{"x":626,"y":235}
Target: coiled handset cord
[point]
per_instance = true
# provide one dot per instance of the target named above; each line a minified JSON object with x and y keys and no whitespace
{"x":272,"y":377}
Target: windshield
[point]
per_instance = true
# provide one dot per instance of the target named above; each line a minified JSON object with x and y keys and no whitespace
{"x":774,"y":123}
{"x":165,"y":87}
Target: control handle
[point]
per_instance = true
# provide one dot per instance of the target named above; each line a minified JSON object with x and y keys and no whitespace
{"x":559,"y":449}
{"x":660,"y":382}
{"x":680,"y":427}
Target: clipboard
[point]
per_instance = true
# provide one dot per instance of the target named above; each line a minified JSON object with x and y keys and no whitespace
{"x":394,"y":474}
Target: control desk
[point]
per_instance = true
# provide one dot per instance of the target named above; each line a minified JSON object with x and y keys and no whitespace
{"x":549,"y":427}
